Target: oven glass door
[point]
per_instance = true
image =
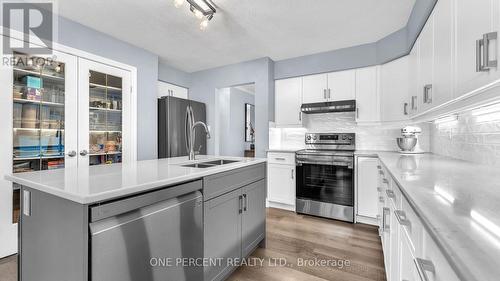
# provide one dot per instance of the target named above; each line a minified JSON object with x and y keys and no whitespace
{"x":326,"y":183}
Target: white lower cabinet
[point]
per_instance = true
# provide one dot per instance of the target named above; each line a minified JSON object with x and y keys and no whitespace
{"x":410,"y":253}
{"x":281,"y":180}
{"x":366,"y":188}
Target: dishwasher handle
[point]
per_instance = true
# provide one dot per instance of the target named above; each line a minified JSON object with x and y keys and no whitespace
{"x":106,"y":210}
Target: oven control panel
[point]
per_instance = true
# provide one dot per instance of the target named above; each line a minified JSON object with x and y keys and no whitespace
{"x":331,"y":138}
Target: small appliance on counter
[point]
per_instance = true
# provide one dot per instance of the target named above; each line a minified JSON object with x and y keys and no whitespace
{"x":408,"y":143}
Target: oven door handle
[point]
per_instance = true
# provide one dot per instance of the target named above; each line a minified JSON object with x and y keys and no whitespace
{"x":349,"y":165}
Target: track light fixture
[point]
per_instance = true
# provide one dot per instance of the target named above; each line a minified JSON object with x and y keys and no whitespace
{"x":202,"y":9}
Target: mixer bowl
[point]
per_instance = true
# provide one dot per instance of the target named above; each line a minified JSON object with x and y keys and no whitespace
{"x":407,"y":144}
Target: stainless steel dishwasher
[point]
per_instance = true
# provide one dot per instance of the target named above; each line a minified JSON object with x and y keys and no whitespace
{"x":150,"y":242}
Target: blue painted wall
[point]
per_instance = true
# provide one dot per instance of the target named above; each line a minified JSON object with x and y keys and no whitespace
{"x":391,"y":47}
{"x":205,"y":83}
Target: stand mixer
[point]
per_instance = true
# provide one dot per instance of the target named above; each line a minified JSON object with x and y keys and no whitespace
{"x":409,"y":142}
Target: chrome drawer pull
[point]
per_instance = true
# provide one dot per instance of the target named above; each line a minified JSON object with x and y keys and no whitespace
{"x":424,"y":266}
{"x":381,"y":199}
{"x":385,"y":212}
{"x":401,"y":217}
{"x":385,"y":180}
{"x":280,"y":159}
{"x":390,"y":194}
{"x":379,"y":167}
{"x":381,"y":172}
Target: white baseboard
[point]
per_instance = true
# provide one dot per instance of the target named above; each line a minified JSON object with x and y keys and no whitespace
{"x":366,"y":220}
{"x":277,"y":205}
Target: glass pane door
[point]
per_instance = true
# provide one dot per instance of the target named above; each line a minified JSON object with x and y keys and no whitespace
{"x":39,"y":113}
{"x":105,"y":118}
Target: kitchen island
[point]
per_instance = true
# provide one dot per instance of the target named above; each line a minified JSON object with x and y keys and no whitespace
{"x":165,"y":219}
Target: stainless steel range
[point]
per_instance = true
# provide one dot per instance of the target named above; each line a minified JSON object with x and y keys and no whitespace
{"x":325,"y":176}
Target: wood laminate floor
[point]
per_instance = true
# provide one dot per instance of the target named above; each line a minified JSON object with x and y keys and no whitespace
{"x":293,"y":238}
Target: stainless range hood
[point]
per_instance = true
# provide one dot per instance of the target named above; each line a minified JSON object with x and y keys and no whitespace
{"x":332,"y":106}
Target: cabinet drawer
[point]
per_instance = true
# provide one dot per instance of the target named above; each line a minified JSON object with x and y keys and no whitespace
{"x":281,"y":158}
{"x":394,"y":194}
{"x":440,"y":269}
{"x":221,"y":183}
{"x":414,"y":230}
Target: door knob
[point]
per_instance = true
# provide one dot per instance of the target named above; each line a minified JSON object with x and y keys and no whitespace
{"x":83,"y":152}
{"x":72,"y":153}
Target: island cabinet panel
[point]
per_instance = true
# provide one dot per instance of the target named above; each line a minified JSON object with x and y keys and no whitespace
{"x":254,"y":213}
{"x":222,"y":233}
{"x":234,"y":223}
{"x":218,"y":184}
{"x":53,"y":238}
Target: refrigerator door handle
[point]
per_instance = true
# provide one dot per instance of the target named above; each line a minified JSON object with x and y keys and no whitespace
{"x":187,"y":125}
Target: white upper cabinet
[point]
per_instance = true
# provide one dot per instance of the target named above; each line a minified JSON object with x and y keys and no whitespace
{"x":411,"y":106}
{"x":475,"y":19}
{"x":394,"y":88}
{"x":367,"y":94}
{"x":426,"y":67}
{"x":334,"y":86}
{"x":341,"y":85}
{"x":167,"y":89}
{"x":288,"y":99}
{"x":442,"y":87}
{"x":315,"y":88}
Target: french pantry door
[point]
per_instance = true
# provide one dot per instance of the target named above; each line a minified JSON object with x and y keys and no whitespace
{"x":38,"y":113}
{"x":104,"y":114}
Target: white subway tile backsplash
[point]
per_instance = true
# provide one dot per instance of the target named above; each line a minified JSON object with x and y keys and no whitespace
{"x":368,"y":137}
{"x":468,"y":139}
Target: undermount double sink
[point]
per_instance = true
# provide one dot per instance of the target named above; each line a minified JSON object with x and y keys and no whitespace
{"x":209,"y":164}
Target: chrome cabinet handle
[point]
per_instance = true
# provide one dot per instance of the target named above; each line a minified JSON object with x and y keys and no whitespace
{"x":385,"y":180}
{"x":329,"y":93}
{"x":357,"y":112}
{"x":379,"y":167}
{"x":390,"y":194}
{"x":427,"y":96}
{"x":487,"y":63}
{"x":84,"y":152}
{"x":401,"y":217}
{"x":245,"y":202}
{"x":381,"y":199}
{"x":385,"y":211}
{"x":424,"y":266}
{"x":240,"y":204}
{"x":405,"y":108}
{"x":300,"y":115}
{"x":72,"y":153}
{"x":292,"y":173}
{"x":379,"y":189}
{"x":414,"y":103}
{"x":479,"y":61}
{"x":381,"y":172}
{"x":280,"y":159}
{"x":324,"y":94}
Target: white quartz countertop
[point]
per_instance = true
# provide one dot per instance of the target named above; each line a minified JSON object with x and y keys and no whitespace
{"x":87,"y":185}
{"x":459,"y":203}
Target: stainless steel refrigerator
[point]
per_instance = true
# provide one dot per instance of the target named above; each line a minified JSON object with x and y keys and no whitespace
{"x":173,"y":127}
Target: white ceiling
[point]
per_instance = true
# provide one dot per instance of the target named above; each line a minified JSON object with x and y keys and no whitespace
{"x":241,"y":29}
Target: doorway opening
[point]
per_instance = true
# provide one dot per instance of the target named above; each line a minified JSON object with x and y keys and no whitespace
{"x":235,"y":120}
